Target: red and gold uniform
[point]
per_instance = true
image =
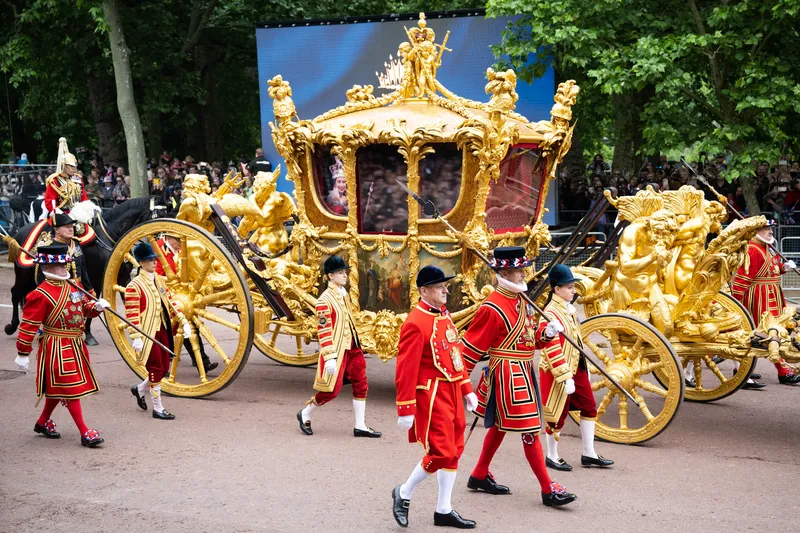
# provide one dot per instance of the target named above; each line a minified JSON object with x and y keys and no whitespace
{"x":62,"y":193}
{"x":431,"y":379}
{"x":757,"y":284}
{"x":504,"y":330}
{"x":150,"y":307}
{"x":338,"y":340}
{"x":561,"y":361}
{"x":63,"y":370}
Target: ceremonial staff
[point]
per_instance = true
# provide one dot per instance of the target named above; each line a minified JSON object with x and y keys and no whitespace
{"x":738,"y":214}
{"x":8,"y":239}
{"x":429,"y":207}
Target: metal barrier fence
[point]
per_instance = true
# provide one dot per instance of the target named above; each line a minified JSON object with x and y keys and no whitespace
{"x":789,"y":246}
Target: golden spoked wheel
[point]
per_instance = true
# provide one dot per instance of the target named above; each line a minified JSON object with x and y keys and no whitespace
{"x":717,"y":381}
{"x":281,"y":343}
{"x":212,"y":292}
{"x":630,"y":350}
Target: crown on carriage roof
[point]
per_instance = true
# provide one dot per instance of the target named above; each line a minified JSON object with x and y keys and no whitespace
{"x":337,"y":169}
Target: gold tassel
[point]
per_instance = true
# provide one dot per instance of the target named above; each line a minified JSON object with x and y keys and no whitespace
{"x":13,"y":248}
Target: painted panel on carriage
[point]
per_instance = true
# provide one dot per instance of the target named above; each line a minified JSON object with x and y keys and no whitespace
{"x":335,"y":56}
{"x":383,"y":281}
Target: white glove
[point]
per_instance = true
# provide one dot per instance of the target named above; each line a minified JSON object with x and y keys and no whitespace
{"x":405,"y":422}
{"x":22,"y":362}
{"x":790,"y":265}
{"x":138,"y":344}
{"x":102,"y":304}
{"x":330,"y":367}
{"x":472,"y":401}
{"x":553,"y":328}
{"x":569,"y":386}
{"x":187,"y":331}
{"x":97,"y":207}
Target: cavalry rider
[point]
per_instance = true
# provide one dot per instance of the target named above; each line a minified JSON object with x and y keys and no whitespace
{"x":171,"y":247}
{"x":340,"y":353}
{"x":64,"y":233}
{"x":431,"y":380}
{"x":149,"y":306}
{"x":757,"y":284}
{"x":63,"y":371}
{"x":563,"y":375}
{"x":504,"y":329}
{"x":65,"y":186}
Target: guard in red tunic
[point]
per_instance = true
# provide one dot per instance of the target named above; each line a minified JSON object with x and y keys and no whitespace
{"x":63,"y":372}
{"x":149,"y":306}
{"x":65,"y":186}
{"x":431,"y":380}
{"x":504,"y":329}
{"x":757,"y":284}
{"x":171,"y":245}
{"x":562,"y":373}
{"x":340,"y":352}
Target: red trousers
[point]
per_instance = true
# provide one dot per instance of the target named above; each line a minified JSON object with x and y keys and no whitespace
{"x":581,"y":400}
{"x":439,"y":425}
{"x":158,"y":361}
{"x":355,"y":367}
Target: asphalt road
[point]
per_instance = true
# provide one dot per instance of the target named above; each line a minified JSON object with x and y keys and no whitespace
{"x":237,"y":462}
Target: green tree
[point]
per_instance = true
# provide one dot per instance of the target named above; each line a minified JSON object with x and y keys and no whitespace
{"x":719,"y":75}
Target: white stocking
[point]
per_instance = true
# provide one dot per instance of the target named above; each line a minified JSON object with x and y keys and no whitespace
{"x":587,"y":437}
{"x":552,"y":446}
{"x":417,"y":476}
{"x":306,"y":412}
{"x":446,"y":478}
{"x":359,"y":407}
{"x":143,"y":386}
{"x":155,"y":392}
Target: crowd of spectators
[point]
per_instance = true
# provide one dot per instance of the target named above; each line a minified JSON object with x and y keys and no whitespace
{"x":110,"y":185}
{"x":777,"y":184}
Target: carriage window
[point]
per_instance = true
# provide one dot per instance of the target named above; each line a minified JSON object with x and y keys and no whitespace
{"x":330,"y":181}
{"x":440,"y":176}
{"x":514,"y":198}
{"x":383,"y":203}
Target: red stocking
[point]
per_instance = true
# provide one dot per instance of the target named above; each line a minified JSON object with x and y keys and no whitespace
{"x":49,"y":406}
{"x":74,"y":407}
{"x":535,"y":457}
{"x":492,"y":441}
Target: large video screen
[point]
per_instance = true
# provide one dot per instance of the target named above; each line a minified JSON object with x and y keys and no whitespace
{"x":322,"y":61}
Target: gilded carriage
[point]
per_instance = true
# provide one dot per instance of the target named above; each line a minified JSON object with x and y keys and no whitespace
{"x":243,"y":279}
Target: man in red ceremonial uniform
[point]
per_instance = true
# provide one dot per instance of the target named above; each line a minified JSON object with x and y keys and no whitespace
{"x":340,"y":353}
{"x":65,"y":186}
{"x":171,"y":245}
{"x":431,"y":380}
{"x":149,"y":306}
{"x":63,"y":372}
{"x":757,"y":284}
{"x":504,"y":329}
{"x":64,"y":233}
{"x":562,"y":373}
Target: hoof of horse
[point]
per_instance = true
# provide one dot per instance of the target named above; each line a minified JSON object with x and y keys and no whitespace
{"x":10,"y":329}
{"x":91,"y":341}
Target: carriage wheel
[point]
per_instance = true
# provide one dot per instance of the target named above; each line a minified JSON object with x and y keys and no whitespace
{"x":630,"y":350}
{"x":712,"y":381}
{"x":212,"y":292}
{"x":280,"y":344}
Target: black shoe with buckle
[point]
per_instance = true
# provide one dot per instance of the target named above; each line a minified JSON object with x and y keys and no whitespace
{"x":595,"y":461}
{"x":690,"y":383}
{"x":369,"y":433}
{"x":305,"y":427}
{"x":92,"y":438}
{"x":452,"y":519}
{"x":487,"y":485}
{"x":789,"y":379}
{"x":561,"y":464}
{"x":755,"y":376}
{"x":752,"y":384}
{"x":557,"y":496}
{"x":400,"y":507}
{"x":140,"y":401}
{"x":163,"y":415}
{"x":48,"y":430}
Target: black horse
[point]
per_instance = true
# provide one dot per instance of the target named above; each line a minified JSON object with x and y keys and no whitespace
{"x":117,"y":222}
